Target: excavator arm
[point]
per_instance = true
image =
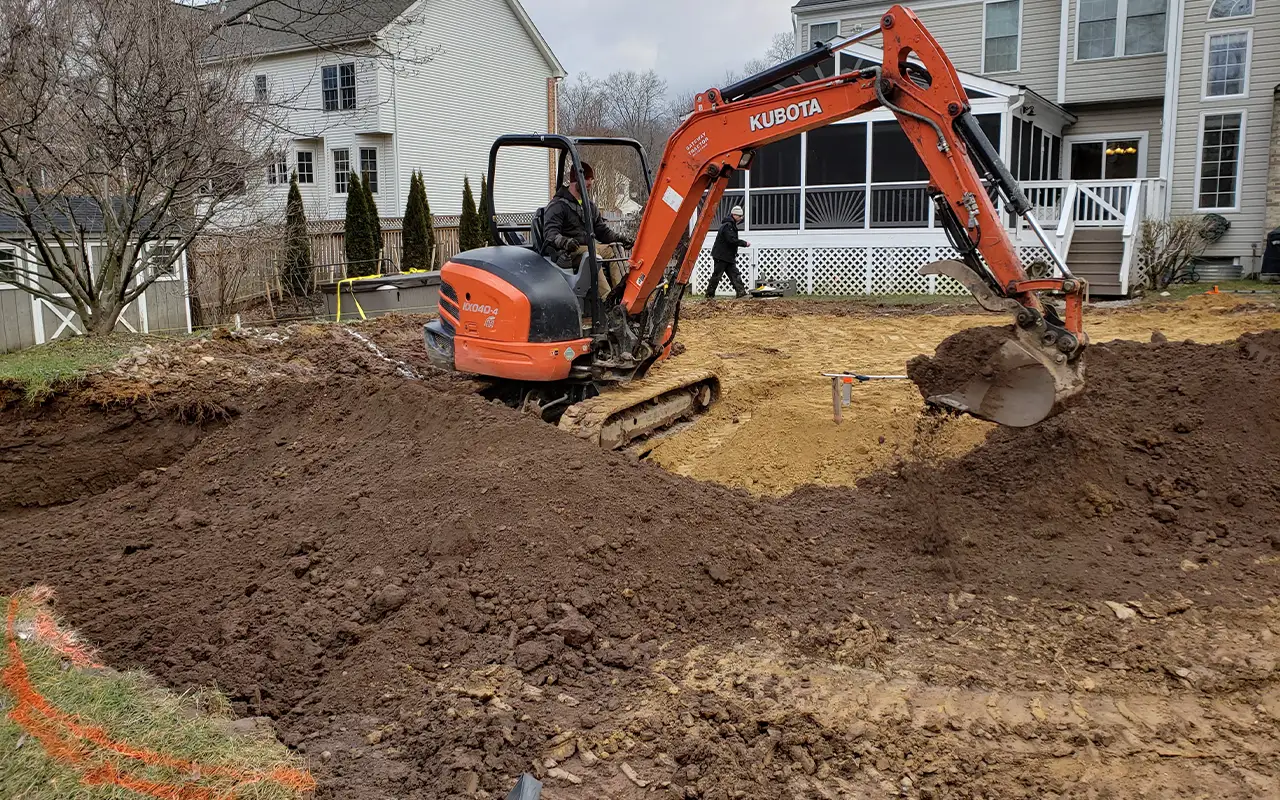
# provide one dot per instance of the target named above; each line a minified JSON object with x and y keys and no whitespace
{"x":1037,"y":368}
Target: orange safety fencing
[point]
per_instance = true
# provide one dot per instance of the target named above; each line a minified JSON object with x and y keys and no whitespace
{"x":90,"y":750}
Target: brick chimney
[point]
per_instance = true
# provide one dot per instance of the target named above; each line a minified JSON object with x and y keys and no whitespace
{"x":1273,"y":172}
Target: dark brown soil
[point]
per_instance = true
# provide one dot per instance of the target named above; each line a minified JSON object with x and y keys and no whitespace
{"x":384,"y":567}
{"x":64,"y":451}
{"x":957,"y":360}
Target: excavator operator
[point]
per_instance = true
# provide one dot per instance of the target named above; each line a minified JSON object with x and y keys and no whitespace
{"x":565,"y":230}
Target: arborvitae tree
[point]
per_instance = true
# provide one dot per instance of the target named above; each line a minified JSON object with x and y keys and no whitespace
{"x":469,"y":235}
{"x":296,"y":271}
{"x":419,"y":236}
{"x":360,"y":258}
{"x":373,"y":224}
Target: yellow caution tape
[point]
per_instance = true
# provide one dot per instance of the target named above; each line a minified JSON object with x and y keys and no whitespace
{"x":351,"y":284}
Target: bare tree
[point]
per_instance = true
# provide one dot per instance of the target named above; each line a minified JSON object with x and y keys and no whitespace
{"x":1167,"y":249}
{"x":780,"y":49}
{"x":131,"y":126}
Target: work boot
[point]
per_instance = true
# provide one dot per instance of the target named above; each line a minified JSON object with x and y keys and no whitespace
{"x":743,"y":296}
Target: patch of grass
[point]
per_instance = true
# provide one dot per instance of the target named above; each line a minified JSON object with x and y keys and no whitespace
{"x":41,"y":370}
{"x":862,"y":299}
{"x":130,"y":708}
{"x":1181,"y":291}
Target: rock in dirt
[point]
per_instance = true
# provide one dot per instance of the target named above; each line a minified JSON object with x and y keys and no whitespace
{"x":389,"y":598}
{"x":1164,"y":513}
{"x":562,"y":774}
{"x":1121,"y":610}
{"x":631,"y":775}
{"x":251,"y":726}
{"x":563,"y":751}
{"x":533,"y":654}
{"x":576,"y":629}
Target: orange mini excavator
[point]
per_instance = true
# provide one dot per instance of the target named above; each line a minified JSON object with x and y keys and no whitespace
{"x":546,"y":339}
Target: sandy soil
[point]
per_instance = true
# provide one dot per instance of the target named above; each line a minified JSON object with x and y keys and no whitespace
{"x":773,"y":429}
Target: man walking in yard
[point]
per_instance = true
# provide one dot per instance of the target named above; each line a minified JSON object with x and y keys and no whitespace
{"x":725,"y":255}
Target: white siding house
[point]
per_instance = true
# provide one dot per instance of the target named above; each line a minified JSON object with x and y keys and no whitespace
{"x":423,"y":85}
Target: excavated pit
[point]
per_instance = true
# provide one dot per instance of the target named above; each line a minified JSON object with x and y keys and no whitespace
{"x":423,"y":590}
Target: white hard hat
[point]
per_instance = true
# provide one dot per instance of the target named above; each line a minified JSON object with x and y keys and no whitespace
{"x":736,"y":211}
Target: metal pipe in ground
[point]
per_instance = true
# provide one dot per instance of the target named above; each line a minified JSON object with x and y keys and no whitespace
{"x":840,"y":399}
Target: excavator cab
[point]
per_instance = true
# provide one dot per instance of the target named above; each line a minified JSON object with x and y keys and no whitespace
{"x":625,"y":156}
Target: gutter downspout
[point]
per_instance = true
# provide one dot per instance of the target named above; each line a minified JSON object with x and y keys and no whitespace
{"x":395,"y":133}
{"x":1169,"y":120}
{"x":1064,"y":30}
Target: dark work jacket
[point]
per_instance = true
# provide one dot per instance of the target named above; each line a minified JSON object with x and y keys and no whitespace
{"x":564,"y":226}
{"x":727,"y":242}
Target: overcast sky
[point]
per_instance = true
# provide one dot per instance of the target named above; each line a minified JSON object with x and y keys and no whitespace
{"x":690,"y":43}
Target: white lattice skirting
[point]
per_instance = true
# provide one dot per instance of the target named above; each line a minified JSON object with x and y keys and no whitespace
{"x":846,"y":270}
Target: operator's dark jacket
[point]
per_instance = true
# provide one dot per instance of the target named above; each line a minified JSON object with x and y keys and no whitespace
{"x":564,"y":227}
{"x":727,"y":242}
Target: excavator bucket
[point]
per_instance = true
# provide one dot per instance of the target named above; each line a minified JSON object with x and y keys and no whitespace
{"x":1024,"y":381}
{"x":1021,"y":385}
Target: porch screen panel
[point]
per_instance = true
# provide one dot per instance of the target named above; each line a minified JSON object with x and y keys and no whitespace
{"x":836,"y":177}
{"x":893,"y":157}
{"x":990,"y":125}
{"x":837,"y":155}
{"x":894,"y":161}
{"x":776,"y":165}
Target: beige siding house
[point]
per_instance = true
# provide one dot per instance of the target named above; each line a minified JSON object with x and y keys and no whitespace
{"x":1170,"y":109}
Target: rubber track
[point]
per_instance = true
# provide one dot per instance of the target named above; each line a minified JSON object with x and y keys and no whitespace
{"x":588,"y":418}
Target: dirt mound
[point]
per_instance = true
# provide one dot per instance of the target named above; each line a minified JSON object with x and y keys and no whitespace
{"x":424,"y":590}
{"x":1170,"y":446}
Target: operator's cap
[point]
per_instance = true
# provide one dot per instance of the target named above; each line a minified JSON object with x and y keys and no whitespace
{"x":736,"y":211}
{"x":587,"y":171}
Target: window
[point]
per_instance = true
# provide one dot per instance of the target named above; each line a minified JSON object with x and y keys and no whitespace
{"x":1097,"y":31}
{"x":369,"y":166}
{"x":1107,"y":28}
{"x":1106,"y":159}
{"x":1226,"y":64}
{"x":260,"y":88}
{"x":161,"y":261}
{"x":1226,"y":9}
{"x":278,"y":170}
{"x":1221,"y":145}
{"x":1002,"y":23}
{"x":823,"y":32}
{"x":1144,"y":27}
{"x":306,"y":167}
{"x":338,"y":87}
{"x":8,"y":267}
{"x":341,"y":170}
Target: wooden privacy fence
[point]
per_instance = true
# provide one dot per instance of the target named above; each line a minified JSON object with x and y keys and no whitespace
{"x":328,"y":242}
{"x":229,"y":273}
